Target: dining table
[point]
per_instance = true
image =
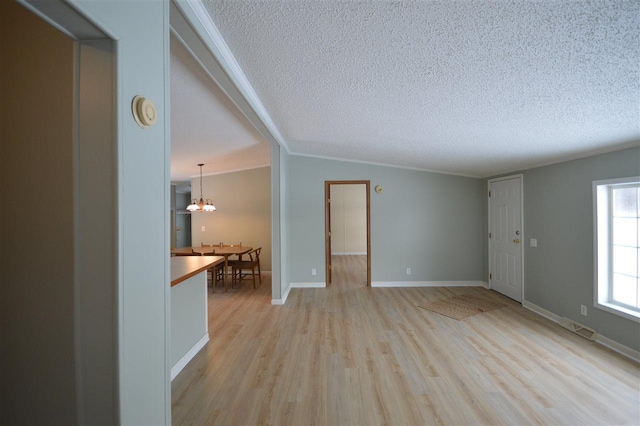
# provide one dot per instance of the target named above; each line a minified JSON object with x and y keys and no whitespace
{"x":225,"y":251}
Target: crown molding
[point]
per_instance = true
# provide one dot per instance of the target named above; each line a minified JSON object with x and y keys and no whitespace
{"x":568,"y":158}
{"x":395,"y":166}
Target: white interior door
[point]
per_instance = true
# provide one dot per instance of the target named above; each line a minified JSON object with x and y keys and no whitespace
{"x":505,"y":237}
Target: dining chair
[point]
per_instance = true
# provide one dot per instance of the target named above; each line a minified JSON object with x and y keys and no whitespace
{"x":237,"y":266}
{"x":232,"y":244}
{"x":239,"y":257}
{"x":215,"y":273}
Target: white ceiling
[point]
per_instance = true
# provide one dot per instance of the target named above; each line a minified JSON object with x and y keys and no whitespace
{"x":206,"y":127}
{"x":464,"y":87}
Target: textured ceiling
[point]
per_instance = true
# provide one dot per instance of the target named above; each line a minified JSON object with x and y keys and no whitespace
{"x":206,"y":127}
{"x":465,"y":87}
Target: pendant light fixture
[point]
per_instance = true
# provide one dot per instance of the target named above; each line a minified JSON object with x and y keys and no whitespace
{"x":202,"y":205}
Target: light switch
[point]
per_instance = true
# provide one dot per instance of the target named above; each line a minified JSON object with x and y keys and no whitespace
{"x":202,"y":228}
{"x":533,"y":242}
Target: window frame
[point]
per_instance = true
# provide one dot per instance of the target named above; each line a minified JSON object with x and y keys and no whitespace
{"x":603,"y":246}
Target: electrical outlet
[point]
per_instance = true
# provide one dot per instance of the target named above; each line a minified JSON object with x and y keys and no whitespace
{"x":583,"y":310}
{"x":203,"y":228}
{"x":313,"y":271}
{"x":408,"y":271}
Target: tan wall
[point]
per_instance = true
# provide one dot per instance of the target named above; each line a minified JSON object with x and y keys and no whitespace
{"x":348,"y":219}
{"x":37,"y":384}
{"x":243,"y":202}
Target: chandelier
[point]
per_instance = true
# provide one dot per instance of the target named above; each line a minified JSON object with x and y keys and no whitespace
{"x":201,"y":205}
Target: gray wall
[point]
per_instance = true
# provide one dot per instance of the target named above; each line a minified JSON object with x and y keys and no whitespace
{"x":37,"y":379}
{"x":558,"y":212}
{"x":441,"y":222}
{"x":429,"y":222}
{"x":188,"y":315}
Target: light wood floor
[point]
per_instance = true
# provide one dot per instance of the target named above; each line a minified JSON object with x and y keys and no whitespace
{"x":349,"y":354}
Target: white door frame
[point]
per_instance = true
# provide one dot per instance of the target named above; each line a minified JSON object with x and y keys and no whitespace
{"x":519,"y":176}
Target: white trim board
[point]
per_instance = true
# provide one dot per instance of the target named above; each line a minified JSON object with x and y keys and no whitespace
{"x":600,"y":339}
{"x":308,"y":285}
{"x":373,"y":163}
{"x":280,"y":302}
{"x":520,"y":169}
{"x":176,"y":369}
{"x":241,"y":169}
{"x":566,"y":159}
{"x":398,"y":284}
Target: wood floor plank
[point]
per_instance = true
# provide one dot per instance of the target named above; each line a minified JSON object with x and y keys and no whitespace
{"x":353,"y":355}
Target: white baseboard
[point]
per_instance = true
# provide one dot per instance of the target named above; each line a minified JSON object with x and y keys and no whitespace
{"x":618,"y":347}
{"x":308,"y":285}
{"x":176,"y":369}
{"x":429,"y":284}
{"x":348,"y":253}
{"x":600,"y":339}
{"x":541,"y":311}
{"x":386,"y":284}
{"x":280,"y":302}
{"x":296,"y":285}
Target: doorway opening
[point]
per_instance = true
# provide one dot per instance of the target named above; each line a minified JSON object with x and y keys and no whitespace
{"x":348,"y":232}
{"x":68,"y":64}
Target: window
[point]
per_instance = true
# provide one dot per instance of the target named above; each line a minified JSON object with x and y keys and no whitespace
{"x":616,"y":246}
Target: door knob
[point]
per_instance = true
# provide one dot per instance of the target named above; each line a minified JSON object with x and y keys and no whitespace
{"x":517,"y":240}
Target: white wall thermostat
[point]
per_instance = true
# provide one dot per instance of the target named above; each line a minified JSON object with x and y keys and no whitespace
{"x":144,"y":112}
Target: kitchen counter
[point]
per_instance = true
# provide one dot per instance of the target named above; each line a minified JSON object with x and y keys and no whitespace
{"x":184,"y":267}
